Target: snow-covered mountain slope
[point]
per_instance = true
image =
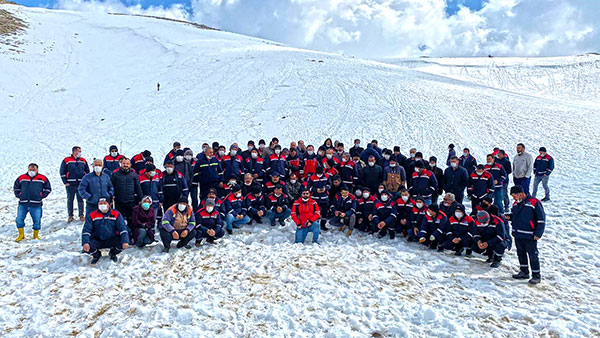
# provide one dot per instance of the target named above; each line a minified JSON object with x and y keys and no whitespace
{"x":90,"y":79}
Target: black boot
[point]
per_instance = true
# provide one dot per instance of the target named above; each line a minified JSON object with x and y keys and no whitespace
{"x":392,"y":234}
{"x":458,"y":252}
{"x":546,"y":199}
{"x":496,"y":262}
{"x":535,"y":279}
{"x":323,"y":227}
{"x":282,"y":222}
{"x":114,"y":258}
{"x":96,"y":257}
{"x":469,"y":253}
{"x":523,"y":274}
{"x":229,"y":231}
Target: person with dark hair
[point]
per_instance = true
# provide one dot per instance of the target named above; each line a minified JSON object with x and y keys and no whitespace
{"x":139,"y":161}
{"x":467,"y":161}
{"x":209,"y":223}
{"x":127,"y":190}
{"x":456,"y":179}
{"x":505,"y":163}
{"x":277,"y":205}
{"x":459,"y":233}
{"x":488,"y":237}
{"x":356,"y":150}
{"x":30,"y":188}
{"x":384,"y":219}
{"x":481,"y":184}
{"x":318,"y":185}
{"x":451,"y":153}
{"x":439,"y":177}
{"x":542,"y":168}
{"x":172,"y":153}
{"x":343,"y":210}
{"x":306,"y":214}
{"x":499,"y":177}
{"x":433,"y":228}
{"x":236,"y":212}
{"x":104,"y":228}
{"x":365,"y":210}
{"x":423,"y":183}
{"x":72,"y":170}
{"x":522,"y":168}
{"x":112,"y":160}
{"x":255,"y":204}
{"x":172,"y":186}
{"x":208,"y":173}
{"x":95,"y":185}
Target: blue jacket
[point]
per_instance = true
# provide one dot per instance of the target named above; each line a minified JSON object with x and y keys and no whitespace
{"x":481,"y":186}
{"x":468,"y":163}
{"x":528,"y":218}
{"x":255,"y":166}
{"x":277,"y":164}
{"x":73,"y":169}
{"x":31,"y":190}
{"x":209,"y":220}
{"x":455,"y":179}
{"x":150,"y":187}
{"x":493,"y":233}
{"x":498,"y":174}
{"x":255,"y":204}
{"x":364,"y":156}
{"x":272,"y":202}
{"x":233,"y":167}
{"x":346,"y":205}
{"x":111,"y":163}
{"x":93,"y":187}
{"x":365,"y":208}
{"x":543,"y":166}
{"x":423,"y":184}
{"x":207,"y":171}
{"x":505,"y":163}
{"x":437,"y":226}
{"x":171,"y":187}
{"x":460,"y":228}
{"x":234,"y":205}
{"x":385,"y":212}
{"x":99,"y":226}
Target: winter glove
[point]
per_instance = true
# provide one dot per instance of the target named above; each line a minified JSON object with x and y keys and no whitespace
{"x":422,"y":240}
{"x":432,"y":238}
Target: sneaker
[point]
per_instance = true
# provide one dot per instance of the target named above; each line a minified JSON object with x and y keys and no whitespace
{"x":229,"y":231}
{"x":282,"y":222}
{"x":521,"y":275}
{"x":546,"y":199}
{"x":70,"y":219}
{"x":535,"y":279}
{"x":495,"y":264}
{"x":95,"y":259}
{"x":114,"y":258}
{"x":469,"y":253}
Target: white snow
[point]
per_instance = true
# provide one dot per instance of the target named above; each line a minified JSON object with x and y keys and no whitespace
{"x":90,"y":79}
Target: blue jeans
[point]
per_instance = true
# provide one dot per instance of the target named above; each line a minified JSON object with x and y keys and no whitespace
{"x":36,"y":216}
{"x":536,"y":183}
{"x":231,"y":221}
{"x":499,"y":199}
{"x":71,"y":194}
{"x":272,"y":215}
{"x":524,"y":182}
{"x":301,"y":233}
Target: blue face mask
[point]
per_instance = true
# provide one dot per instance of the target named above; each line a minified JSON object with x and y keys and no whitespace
{"x":146,"y":206}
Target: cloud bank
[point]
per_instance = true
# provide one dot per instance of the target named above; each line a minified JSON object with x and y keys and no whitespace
{"x":397,"y":28}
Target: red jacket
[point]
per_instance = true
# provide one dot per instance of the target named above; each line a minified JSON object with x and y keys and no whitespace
{"x":303,"y":212}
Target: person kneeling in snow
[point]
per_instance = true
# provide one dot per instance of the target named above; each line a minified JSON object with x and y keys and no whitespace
{"x":458,"y":235}
{"x":178,"y":224}
{"x":235,"y":209}
{"x":142,"y":222}
{"x":306,"y":214}
{"x":384,"y":220}
{"x":210,"y":223}
{"x":104,"y":228}
{"x":343,"y":210}
{"x":433,"y":228}
{"x":488,"y":237}
{"x":277,"y":204}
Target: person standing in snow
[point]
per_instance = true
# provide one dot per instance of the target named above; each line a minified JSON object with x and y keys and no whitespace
{"x":208,"y":173}
{"x":522,"y":168}
{"x":528,"y":221}
{"x":112,"y":161}
{"x":467,"y":161}
{"x":505,"y":163}
{"x":104,"y":228}
{"x":306,"y":215}
{"x":128,"y":191}
{"x":451,"y":153}
{"x":481,"y":184}
{"x":499,"y":176}
{"x":172,"y":186}
{"x":72,"y":170}
{"x":31,"y":188}
{"x":542,"y":167}
{"x":172,"y":153}
{"x":95,"y":185}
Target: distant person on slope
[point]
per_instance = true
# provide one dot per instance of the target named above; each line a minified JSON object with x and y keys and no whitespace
{"x":528,"y":221}
{"x":306,"y":215}
{"x":72,"y":170}
{"x":95,"y":185}
{"x":31,"y":188}
{"x":522,"y":168}
{"x":542,"y":167}
{"x":104,"y":228}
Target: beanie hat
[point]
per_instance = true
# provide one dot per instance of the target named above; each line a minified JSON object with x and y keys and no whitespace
{"x":434,"y":207}
{"x":543,"y":149}
{"x":483,"y":217}
{"x":113,"y":147}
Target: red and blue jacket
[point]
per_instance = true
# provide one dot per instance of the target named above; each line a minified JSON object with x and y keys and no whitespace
{"x":498,"y":174}
{"x":150,"y":186}
{"x":434,"y":226}
{"x":315,"y":182}
{"x":272,"y":202}
{"x":311,"y":163}
{"x":276,"y":163}
{"x":255,"y":204}
{"x":101,"y":227}
{"x":219,"y":206}
{"x":73,"y":169}
{"x":469,"y":163}
{"x":112,"y":163}
{"x":294,"y":165}
{"x":528,"y":218}
{"x":234,"y":205}
{"x":208,"y":220}
{"x":404,"y":209}
{"x":233,"y":167}
{"x":423,"y":184}
{"x":347,"y":172}
{"x":460,"y":228}
{"x":418,"y":215}
{"x":480,"y":186}
{"x":32,"y":190}
{"x":138,"y":162}
{"x":346,"y":205}
{"x":493,"y":233}
{"x":385,"y":212}
{"x":270,"y":187}
{"x":255,"y":166}
{"x":543,"y":166}
{"x":365,"y":207}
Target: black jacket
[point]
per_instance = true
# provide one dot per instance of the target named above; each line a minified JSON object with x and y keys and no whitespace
{"x":127,"y":186}
{"x":371,"y":177}
{"x":455,"y":180}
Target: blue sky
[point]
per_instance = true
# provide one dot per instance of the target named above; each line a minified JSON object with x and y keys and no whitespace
{"x":387,"y":28}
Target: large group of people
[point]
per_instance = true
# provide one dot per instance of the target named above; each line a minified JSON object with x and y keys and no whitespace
{"x":130,"y":201}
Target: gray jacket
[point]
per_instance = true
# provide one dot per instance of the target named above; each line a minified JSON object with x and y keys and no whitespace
{"x":522,"y":165}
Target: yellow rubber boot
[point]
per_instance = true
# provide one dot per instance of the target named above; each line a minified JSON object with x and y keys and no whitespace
{"x":21,"y":234}
{"x":36,"y":234}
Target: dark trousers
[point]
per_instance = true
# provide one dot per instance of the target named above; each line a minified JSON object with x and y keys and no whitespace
{"x":167,"y":238}
{"x":527,"y":252}
{"x":194,"y":194}
{"x":71,"y":194}
{"x":458,"y":247}
{"x":90,"y":207}
{"x":126,"y":209}
{"x":114,"y":244}
{"x":202,"y":234}
{"x":524,"y":182}
{"x":496,"y":252}
{"x":475,"y":202}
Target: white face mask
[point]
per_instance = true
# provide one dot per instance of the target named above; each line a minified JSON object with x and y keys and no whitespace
{"x":310,"y":152}
{"x":380,"y":190}
{"x":277,"y":151}
{"x":305,"y":199}
{"x":31,"y":173}
{"x":319,"y":175}
{"x":490,"y":163}
{"x":453,"y":164}
{"x":182,"y":207}
{"x":221,"y":152}
{"x":254,"y":155}
{"x":419,"y":205}
{"x":371,"y":164}
{"x":77,"y":155}
{"x":459,"y":214}
{"x":357,"y":145}
{"x":393,"y":165}
{"x":188,"y":157}
{"x":479,"y":173}
{"x":152,"y":173}
{"x":210,"y":209}
{"x":293,"y":181}
{"x":233,"y":152}
{"x":103,"y":207}
{"x":261,"y":146}
{"x":405,"y":198}
{"x":169,"y":170}
{"x":386,"y":156}
{"x":238,"y":194}
{"x":329,"y":156}
{"x":365,"y":194}
{"x":179,"y":158}
{"x":432,"y":164}
{"x":384,"y":198}
{"x":412,"y":155}
{"x":321,"y":153}
{"x":114,"y":154}
{"x":97,"y":169}
{"x":465,"y":154}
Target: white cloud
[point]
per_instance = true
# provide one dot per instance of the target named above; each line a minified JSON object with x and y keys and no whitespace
{"x":405,"y":28}
{"x":175,"y":11}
